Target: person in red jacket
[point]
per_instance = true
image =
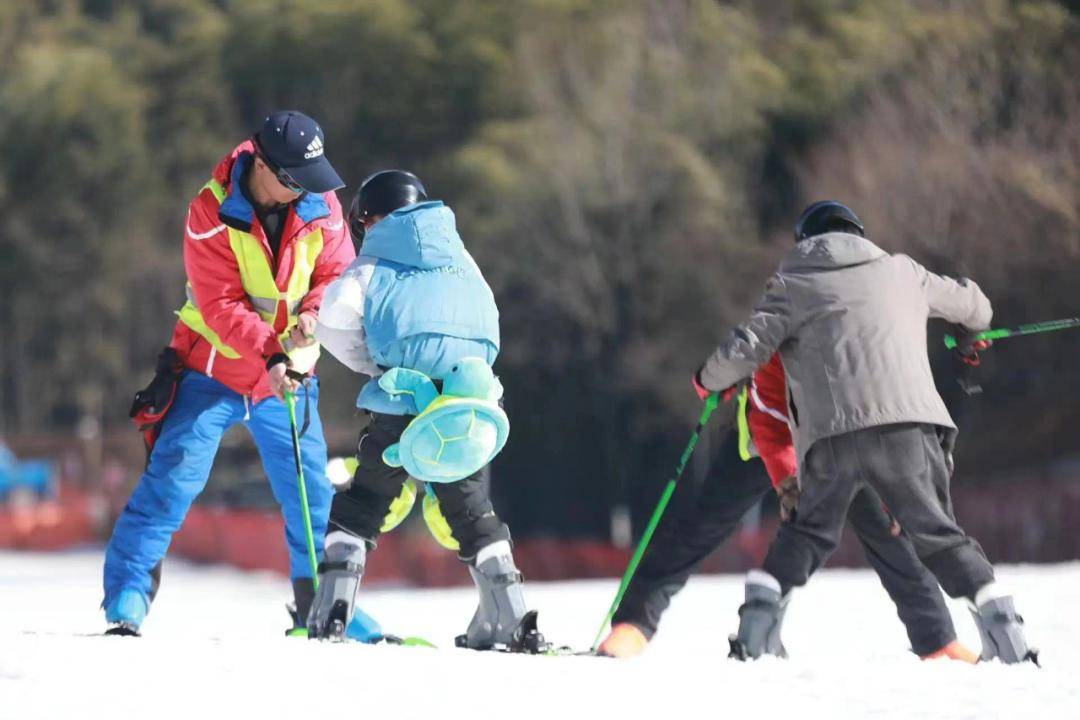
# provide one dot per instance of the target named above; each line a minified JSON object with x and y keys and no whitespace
{"x":262,"y":240}
{"x":704,"y":517}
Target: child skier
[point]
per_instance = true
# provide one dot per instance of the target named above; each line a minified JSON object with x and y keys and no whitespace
{"x":849,"y":321}
{"x":735,"y":482}
{"x":413,"y":304}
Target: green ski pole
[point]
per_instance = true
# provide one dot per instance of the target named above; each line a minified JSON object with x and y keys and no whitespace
{"x":290,"y":401}
{"x":710,"y":405}
{"x":1031,"y":329}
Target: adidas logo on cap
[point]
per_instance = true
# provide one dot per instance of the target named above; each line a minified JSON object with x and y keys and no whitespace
{"x":314,"y":149}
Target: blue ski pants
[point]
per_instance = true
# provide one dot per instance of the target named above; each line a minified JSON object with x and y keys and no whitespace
{"x":179,"y":467}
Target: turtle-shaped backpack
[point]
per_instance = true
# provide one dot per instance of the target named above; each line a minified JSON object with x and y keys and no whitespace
{"x":455,"y":433}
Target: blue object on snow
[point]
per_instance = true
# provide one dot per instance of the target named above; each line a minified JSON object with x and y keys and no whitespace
{"x":364,"y":628}
{"x":7,"y":458}
{"x":39,"y":476}
{"x":128,"y":607}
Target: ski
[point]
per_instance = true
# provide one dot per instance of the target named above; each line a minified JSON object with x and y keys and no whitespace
{"x":122,"y":630}
{"x":410,"y":641}
{"x":528,"y":640}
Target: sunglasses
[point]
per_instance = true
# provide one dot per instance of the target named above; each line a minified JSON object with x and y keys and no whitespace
{"x":282,"y":177}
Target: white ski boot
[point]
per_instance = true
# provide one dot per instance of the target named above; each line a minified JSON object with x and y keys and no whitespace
{"x":339,"y":579}
{"x":501,"y":621}
{"x":1001,"y":628}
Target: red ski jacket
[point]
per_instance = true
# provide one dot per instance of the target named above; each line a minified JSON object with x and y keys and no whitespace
{"x":768,"y":418}
{"x":214,"y":275}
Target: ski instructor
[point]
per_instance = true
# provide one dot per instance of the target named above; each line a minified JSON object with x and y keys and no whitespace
{"x":849,"y":321}
{"x":263,"y":239}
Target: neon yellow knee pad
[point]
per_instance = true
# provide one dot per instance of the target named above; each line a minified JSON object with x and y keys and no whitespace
{"x":341,"y":470}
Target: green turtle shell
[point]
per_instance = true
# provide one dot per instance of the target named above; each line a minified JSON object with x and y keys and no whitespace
{"x":453,"y":438}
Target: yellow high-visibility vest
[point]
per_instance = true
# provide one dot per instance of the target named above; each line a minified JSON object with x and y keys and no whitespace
{"x":257,"y":277}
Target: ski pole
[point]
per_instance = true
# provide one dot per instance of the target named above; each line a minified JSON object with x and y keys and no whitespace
{"x":710,"y":405}
{"x":290,"y":401}
{"x":1031,"y":329}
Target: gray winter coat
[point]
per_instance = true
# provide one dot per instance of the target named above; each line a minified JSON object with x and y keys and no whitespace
{"x":849,"y":321}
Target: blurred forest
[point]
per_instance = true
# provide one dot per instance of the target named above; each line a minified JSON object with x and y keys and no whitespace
{"x":625,"y":171}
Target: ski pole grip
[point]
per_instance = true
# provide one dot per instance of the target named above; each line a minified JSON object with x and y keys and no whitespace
{"x":950,"y":340}
{"x":710,"y":404}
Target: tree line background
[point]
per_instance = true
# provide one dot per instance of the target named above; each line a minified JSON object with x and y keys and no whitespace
{"x":625,"y":171}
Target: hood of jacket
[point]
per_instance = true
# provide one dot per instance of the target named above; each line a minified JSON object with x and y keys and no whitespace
{"x":423,"y":235}
{"x":829,"y":252}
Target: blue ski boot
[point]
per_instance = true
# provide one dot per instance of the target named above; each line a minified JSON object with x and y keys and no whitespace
{"x":364,"y":628}
{"x":126,"y":612}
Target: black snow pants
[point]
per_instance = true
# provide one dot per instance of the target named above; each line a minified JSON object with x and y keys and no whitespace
{"x":362,"y":507}
{"x":700,"y":521}
{"x":905,"y":465}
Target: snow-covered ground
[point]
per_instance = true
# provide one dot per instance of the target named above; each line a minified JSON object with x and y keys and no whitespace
{"x":213,"y":648}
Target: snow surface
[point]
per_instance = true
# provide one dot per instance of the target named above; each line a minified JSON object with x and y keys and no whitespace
{"x":213,"y":648}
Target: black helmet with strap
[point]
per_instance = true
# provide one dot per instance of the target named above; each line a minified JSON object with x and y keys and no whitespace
{"x":383,"y":193}
{"x":827,"y":216}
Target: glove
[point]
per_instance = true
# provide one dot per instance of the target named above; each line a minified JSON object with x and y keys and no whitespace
{"x":704,"y":393}
{"x":968,"y":347}
{"x":303,"y":334}
{"x":788,"y":492}
{"x":281,"y":380}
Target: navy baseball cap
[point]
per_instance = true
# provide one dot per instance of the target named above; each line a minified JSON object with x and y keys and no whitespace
{"x":295,"y":143}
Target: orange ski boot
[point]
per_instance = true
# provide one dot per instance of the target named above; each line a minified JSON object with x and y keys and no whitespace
{"x":953,"y":651}
{"x":624,"y":641}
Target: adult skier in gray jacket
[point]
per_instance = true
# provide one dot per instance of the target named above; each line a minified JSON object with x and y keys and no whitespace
{"x":849,"y":321}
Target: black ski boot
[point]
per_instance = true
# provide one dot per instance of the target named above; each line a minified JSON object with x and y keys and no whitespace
{"x":760,"y":619}
{"x":298,"y":609}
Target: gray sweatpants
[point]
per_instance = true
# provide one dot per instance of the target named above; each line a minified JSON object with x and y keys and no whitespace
{"x":905,"y":464}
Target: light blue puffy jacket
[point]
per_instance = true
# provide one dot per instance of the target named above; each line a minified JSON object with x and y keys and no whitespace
{"x":414,"y":298}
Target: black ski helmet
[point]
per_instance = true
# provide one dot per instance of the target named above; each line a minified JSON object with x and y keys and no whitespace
{"x":383,"y":193}
{"x":827,"y":216}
